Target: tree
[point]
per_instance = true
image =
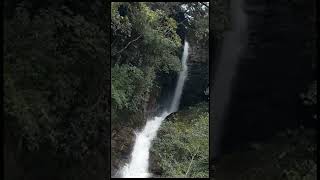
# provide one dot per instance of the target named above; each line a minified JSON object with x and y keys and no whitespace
{"x":144,"y":44}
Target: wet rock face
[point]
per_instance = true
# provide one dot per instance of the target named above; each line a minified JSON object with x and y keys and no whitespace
{"x":171,"y":116}
{"x":274,"y":66}
{"x":122,"y":140}
{"x":198,"y":76}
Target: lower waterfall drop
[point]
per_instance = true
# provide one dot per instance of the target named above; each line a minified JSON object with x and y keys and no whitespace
{"x":139,"y":163}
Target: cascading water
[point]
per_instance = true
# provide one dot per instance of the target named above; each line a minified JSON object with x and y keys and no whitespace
{"x":139,"y":164}
{"x":182,"y":77}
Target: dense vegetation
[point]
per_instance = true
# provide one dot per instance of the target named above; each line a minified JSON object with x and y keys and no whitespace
{"x":55,"y":90}
{"x":144,"y":44}
{"x":181,"y":148}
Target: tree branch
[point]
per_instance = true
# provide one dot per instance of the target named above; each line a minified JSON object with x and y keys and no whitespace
{"x":204,"y":4}
{"x":191,"y":162}
{"x":127,"y":45}
{"x":182,"y":21}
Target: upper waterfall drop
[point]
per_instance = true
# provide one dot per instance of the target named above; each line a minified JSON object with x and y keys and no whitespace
{"x":182,"y":78}
{"x":138,"y":166}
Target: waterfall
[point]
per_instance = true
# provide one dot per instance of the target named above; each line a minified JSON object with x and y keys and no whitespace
{"x":182,"y":77}
{"x":139,"y":163}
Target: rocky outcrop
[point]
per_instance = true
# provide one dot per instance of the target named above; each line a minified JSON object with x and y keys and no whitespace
{"x":122,"y":140}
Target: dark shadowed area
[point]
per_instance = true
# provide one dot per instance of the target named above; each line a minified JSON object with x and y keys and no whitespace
{"x":263,"y":83}
{"x":56,"y":90}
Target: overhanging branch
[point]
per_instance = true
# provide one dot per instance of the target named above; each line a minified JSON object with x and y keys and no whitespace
{"x":127,"y":45}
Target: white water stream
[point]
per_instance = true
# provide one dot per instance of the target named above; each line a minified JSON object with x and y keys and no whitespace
{"x":139,"y":163}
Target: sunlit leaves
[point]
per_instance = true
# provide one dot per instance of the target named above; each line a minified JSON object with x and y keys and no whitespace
{"x":182,"y":145}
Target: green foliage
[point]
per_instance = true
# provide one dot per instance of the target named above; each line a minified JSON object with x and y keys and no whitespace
{"x":182,"y":146}
{"x":195,"y":20}
{"x":142,"y":36}
{"x":54,"y":71}
{"x":144,"y":45}
{"x":126,"y":82}
{"x":120,"y":25}
{"x":198,"y":22}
